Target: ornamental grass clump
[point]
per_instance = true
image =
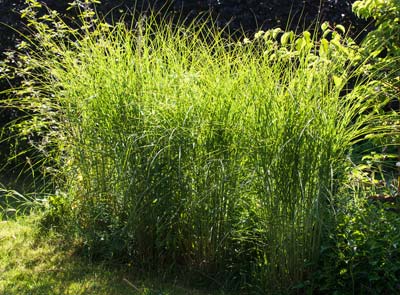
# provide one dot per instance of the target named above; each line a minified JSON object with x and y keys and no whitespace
{"x":177,"y":148}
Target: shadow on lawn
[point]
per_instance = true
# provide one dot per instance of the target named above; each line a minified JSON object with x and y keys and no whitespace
{"x":35,"y":264}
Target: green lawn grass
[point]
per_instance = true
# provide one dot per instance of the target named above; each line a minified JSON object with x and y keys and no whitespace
{"x":33,"y":264}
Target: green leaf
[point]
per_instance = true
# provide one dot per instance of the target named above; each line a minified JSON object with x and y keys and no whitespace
{"x":338,"y":81}
{"x":307,"y":36}
{"x":341,"y":28}
{"x":326,"y":33}
{"x":325,"y":26}
{"x":300,"y":44}
{"x":324,"y":48}
{"x":287,"y":37}
{"x":276,"y":32}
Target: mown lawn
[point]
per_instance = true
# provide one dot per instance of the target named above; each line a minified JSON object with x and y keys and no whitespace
{"x":34,"y":263}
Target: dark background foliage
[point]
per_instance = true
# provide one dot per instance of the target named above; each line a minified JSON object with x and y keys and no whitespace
{"x":247,"y":15}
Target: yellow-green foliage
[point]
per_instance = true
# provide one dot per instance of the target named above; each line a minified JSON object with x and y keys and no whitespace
{"x":386,"y":14}
{"x":174,"y":147}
